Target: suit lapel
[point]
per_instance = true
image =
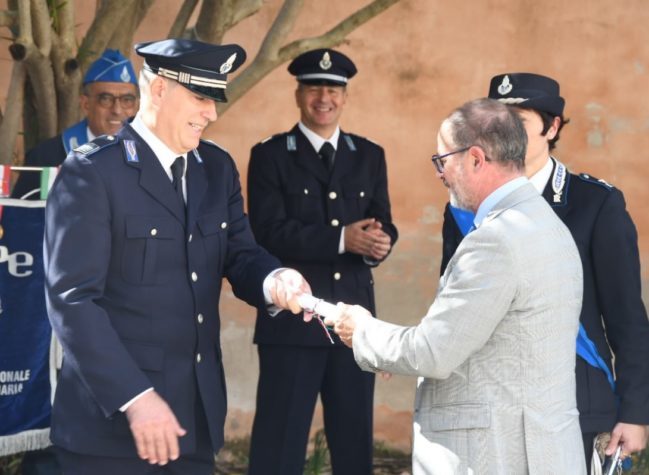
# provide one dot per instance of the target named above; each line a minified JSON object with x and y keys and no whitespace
{"x":196,"y":186}
{"x":306,"y":157}
{"x":153,"y":178}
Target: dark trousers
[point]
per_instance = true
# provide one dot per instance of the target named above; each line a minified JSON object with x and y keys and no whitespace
{"x":80,"y":464}
{"x":40,"y":462}
{"x":588,"y":438}
{"x":290,"y":380}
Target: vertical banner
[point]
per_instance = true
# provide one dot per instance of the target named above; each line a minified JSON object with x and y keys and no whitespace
{"x":25,"y":333}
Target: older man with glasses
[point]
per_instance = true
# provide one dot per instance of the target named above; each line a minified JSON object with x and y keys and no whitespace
{"x":495,"y":352}
{"x":612,"y":364}
{"x":109,"y":97}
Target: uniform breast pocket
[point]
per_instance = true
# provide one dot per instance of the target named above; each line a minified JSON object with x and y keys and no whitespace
{"x":357,"y":201}
{"x":214,"y":232}
{"x":304,"y":203}
{"x":149,"y":243}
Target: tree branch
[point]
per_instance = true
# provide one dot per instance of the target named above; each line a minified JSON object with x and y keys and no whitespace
{"x":41,"y":25}
{"x":25,"y":22}
{"x":122,"y":38}
{"x":182,"y":19}
{"x":38,"y":66}
{"x":213,"y":20}
{"x":271,"y":55}
{"x":338,"y":33}
{"x":245,"y":8}
{"x":8,"y":18}
{"x":218,"y":16}
{"x":67,"y":75}
{"x":110,"y":15}
{"x":12,"y":120}
{"x":280,"y":28}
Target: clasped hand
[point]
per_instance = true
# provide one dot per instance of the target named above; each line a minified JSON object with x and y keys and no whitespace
{"x":365,"y":237}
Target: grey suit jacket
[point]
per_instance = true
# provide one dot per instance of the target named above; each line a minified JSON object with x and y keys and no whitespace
{"x":496,"y":351}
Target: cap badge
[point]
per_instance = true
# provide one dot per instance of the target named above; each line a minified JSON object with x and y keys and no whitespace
{"x":125,"y":76}
{"x":227,"y":66}
{"x":505,"y":86}
{"x":325,"y":62}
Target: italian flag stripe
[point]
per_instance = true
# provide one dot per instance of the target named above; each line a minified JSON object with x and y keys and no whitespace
{"x":47,"y":179}
{"x":5,"y":179}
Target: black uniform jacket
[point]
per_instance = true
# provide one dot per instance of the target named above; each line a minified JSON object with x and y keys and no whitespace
{"x":297,"y":210}
{"x":133,"y":293}
{"x":595,"y":212}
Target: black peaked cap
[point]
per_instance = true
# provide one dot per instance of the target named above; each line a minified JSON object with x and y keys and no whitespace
{"x":200,"y":67}
{"x":528,"y":90}
{"x":322,"y":66}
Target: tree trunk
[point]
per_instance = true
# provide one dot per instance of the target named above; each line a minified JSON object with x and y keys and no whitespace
{"x":11,"y":121}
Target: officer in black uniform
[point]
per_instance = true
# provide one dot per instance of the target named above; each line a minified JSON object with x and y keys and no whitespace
{"x":141,"y":228}
{"x":318,"y":200}
{"x":613,"y":317}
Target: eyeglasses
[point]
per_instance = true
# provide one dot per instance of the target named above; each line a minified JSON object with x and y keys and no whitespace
{"x":107,"y":101}
{"x":440,"y":160}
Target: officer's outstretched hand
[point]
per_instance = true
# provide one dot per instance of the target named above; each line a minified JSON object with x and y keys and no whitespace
{"x":155,"y":429}
{"x":285,"y":287}
{"x":365,"y":237}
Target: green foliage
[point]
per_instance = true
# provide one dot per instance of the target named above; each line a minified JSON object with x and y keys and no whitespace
{"x":54,"y":6}
{"x":10,"y":465}
{"x":640,"y":463}
{"x":319,"y":458}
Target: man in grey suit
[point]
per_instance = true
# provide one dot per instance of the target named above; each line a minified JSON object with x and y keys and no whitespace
{"x":495,"y":352}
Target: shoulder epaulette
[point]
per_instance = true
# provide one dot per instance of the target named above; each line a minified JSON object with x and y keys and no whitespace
{"x":214,"y":144}
{"x":95,"y":145}
{"x":272,"y":137}
{"x":362,"y":138}
{"x":596,"y":181}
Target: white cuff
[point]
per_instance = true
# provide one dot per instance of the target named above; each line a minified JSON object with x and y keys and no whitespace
{"x":130,"y":403}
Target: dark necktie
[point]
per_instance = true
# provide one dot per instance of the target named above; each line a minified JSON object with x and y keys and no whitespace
{"x":177,"y":168}
{"x":327,"y":152}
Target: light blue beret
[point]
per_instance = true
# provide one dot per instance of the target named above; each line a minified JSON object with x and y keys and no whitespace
{"x":112,"y":66}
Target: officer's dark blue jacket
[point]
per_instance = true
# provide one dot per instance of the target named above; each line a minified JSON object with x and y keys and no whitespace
{"x":133,"y":292}
{"x":612,"y":309}
{"x":297,"y":210}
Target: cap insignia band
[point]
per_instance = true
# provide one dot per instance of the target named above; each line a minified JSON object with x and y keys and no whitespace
{"x":325,"y":62}
{"x":330,"y":77}
{"x":227,"y":66}
{"x":186,"y":78}
{"x":513,"y":100}
{"x":505,"y":86}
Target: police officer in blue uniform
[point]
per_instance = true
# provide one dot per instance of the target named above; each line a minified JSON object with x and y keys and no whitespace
{"x":108,"y":98}
{"x":318,"y":200}
{"x":613,"y":318}
{"x":141,"y":227}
